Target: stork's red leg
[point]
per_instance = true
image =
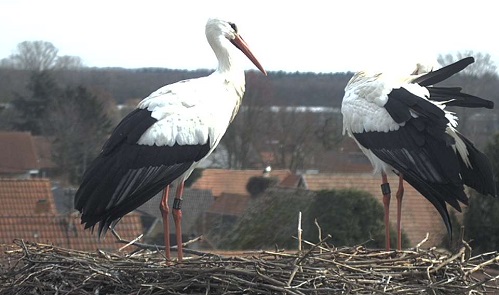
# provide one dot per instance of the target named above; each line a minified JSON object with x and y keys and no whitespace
{"x":385,"y":189}
{"x":177,"y":218}
{"x":399,"y":195}
{"x":163,"y":207}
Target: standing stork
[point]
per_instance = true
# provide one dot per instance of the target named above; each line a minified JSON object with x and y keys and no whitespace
{"x":164,"y":138}
{"x":401,"y":125}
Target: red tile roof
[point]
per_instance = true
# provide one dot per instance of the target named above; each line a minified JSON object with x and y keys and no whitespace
{"x":231,"y":181}
{"x":28,"y":212}
{"x":346,"y":158}
{"x":43,"y":146}
{"x":17,"y":152}
{"x":418,"y":214}
{"x":230,"y":204}
{"x":291,"y":181}
{"x":21,"y":197}
{"x":65,"y":231}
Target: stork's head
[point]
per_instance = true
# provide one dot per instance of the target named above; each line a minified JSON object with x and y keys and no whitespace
{"x":426,"y":67}
{"x":217,"y":30}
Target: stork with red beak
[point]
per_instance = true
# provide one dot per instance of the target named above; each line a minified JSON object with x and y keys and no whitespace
{"x":165,"y":138}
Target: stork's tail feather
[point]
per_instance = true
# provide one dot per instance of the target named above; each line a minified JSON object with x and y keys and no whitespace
{"x":442,"y":74}
{"x":452,"y":96}
{"x":480,"y":175}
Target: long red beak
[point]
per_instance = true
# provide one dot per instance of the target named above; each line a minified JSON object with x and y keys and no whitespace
{"x":241,"y":44}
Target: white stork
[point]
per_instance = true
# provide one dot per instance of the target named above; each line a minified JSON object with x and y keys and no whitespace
{"x":401,"y":125}
{"x":164,"y":138}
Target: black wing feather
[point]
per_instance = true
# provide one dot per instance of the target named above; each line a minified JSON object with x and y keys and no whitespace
{"x":442,"y":74}
{"x":429,"y":164}
{"x":452,"y":96}
{"x":401,"y":102}
{"x":126,"y":175}
{"x":480,"y":175}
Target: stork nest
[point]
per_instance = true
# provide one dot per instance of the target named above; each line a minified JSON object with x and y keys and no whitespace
{"x":32,"y":268}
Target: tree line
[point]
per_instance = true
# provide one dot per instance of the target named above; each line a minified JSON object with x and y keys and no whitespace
{"x":39,"y":88}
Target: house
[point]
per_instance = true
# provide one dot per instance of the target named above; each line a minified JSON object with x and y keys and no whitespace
{"x":419,"y":217}
{"x":229,"y":188}
{"x":24,"y":156}
{"x":29,"y":212}
{"x":231,"y":197}
{"x":230,"y":181}
{"x":418,"y":214}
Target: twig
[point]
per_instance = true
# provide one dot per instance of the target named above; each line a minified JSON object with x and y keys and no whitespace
{"x":423,"y":241}
{"x":451,"y":259}
{"x":300,"y":231}
{"x":131,"y":242}
{"x":482,"y":265}
{"x":159,"y":247}
{"x":320,"y":231}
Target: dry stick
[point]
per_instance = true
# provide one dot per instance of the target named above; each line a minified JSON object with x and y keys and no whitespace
{"x":296,"y":264}
{"x":481,"y":265}
{"x":320,"y":232}
{"x":321,"y":248}
{"x":483,"y":255}
{"x":452,"y":258}
{"x":423,"y":241}
{"x":159,"y":247}
{"x":313,"y":247}
{"x":480,"y":283}
{"x":468,"y":247}
{"x":131,"y":242}
{"x":300,"y":231}
{"x":300,"y":259}
{"x":292,"y":276}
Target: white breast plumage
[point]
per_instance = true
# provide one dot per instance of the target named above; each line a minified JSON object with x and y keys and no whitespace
{"x":187,"y":117}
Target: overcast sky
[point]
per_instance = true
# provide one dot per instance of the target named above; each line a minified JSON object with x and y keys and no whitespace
{"x":305,"y":36}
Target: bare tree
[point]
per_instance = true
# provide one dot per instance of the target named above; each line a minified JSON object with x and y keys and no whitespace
{"x":6,"y":63}
{"x":330,"y":133}
{"x":79,"y":124}
{"x":241,"y":136}
{"x":34,"y":55}
{"x":40,"y":56}
{"x":483,"y":64}
{"x":67,"y":62}
{"x":290,"y":134}
{"x":246,"y":129}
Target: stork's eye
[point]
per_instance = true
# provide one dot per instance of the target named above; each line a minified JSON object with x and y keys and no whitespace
{"x":233,"y":26}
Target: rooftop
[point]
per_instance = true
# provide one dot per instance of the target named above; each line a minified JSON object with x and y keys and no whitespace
{"x":18,"y":153}
{"x":232,"y":181}
{"x":418,"y":214}
{"x":29,"y":212}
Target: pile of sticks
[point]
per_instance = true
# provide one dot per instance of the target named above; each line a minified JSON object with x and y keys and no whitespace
{"x":31,"y":268}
